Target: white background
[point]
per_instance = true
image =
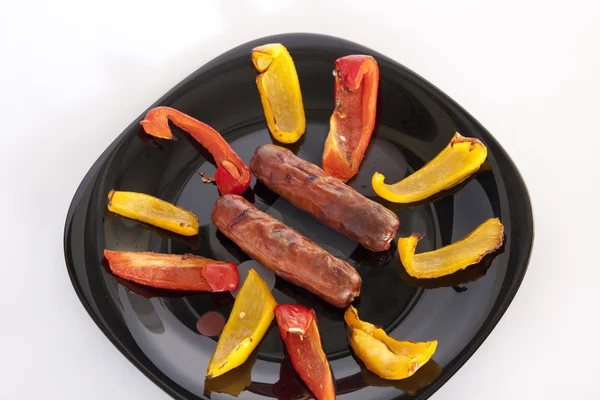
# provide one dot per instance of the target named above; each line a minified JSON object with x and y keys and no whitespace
{"x":74,"y":74}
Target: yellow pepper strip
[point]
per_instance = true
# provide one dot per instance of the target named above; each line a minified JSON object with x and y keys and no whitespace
{"x":153,"y":211}
{"x":386,"y":357}
{"x":250,"y":317}
{"x":485,"y":239}
{"x":279,"y":90}
{"x":462,"y":157}
{"x":233,"y":382}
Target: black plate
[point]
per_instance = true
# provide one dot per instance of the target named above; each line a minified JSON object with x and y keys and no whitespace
{"x":156,"y":330}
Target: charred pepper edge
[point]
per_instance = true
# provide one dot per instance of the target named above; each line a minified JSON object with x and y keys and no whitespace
{"x":260,"y":326}
{"x":336,"y":159}
{"x":328,"y":390}
{"x":154,"y":221}
{"x":414,"y":362}
{"x":386,"y":191}
{"x":416,"y":237}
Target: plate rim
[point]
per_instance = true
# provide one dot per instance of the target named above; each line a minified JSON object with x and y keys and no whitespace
{"x":456,"y":364}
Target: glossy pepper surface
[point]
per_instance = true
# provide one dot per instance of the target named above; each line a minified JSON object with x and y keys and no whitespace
{"x":386,"y":357}
{"x":279,"y":90}
{"x":483,"y":240}
{"x":250,"y":317}
{"x":353,"y":119}
{"x":153,"y":211}
{"x":298,"y":329}
{"x":232,"y":176}
{"x":460,"y":158}
{"x":173,"y":271}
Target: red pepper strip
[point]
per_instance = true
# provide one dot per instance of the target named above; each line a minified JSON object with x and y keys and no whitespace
{"x":173,"y":271}
{"x":298,"y":329}
{"x":232,"y":176}
{"x":353,"y":120}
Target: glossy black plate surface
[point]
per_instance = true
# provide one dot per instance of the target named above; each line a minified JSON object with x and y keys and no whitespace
{"x":156,"y":330}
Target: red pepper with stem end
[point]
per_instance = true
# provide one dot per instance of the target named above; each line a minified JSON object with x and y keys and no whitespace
{"x":298,"y":329}
{"x":173,"y":271}
{"x":232,"y":176}
{"x":353,"y":119}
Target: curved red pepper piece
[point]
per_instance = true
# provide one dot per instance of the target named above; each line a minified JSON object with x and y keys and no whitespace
{"x":298,"y":329}
{"x":173,"y":271}
{"x":353,"y":120}
{"x":232,"y":176}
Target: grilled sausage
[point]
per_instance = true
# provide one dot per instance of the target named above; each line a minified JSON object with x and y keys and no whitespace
{"x":328,"y":199}
{"x":286,"y":252}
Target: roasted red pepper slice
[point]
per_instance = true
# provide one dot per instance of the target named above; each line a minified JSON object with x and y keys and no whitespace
{"x":298,"y":329}
{"x":232,"y":176}
{"x":353,"y":120}
{"x":173,"y":271}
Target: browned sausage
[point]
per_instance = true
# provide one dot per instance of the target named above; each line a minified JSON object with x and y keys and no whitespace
{"x":286,"y":252}
{"x":328,"y":199}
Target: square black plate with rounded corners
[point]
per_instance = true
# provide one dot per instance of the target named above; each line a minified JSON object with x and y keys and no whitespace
{"x":157,"y":330}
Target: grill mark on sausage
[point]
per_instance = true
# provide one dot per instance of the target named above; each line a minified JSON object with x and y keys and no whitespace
{"x":328,"y":199}
{"x":286,"y":252}
{"x":238,"y":218}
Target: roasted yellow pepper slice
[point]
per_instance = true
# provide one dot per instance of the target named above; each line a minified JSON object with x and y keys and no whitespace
{"x":279,"y":90}
{"x":153,"y":211}
{"x":250,"y":317}
{"x":386,"y":357}
{"x":485,"y":239}
{"x":462,"y":157}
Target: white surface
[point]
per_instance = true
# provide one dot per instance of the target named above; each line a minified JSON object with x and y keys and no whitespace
{"x":74,"y":74}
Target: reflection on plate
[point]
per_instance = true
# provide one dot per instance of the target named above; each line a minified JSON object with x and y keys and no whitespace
{"x":233,"y":382}
{"x":290,"y":386}
{"x":411,"y":385}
